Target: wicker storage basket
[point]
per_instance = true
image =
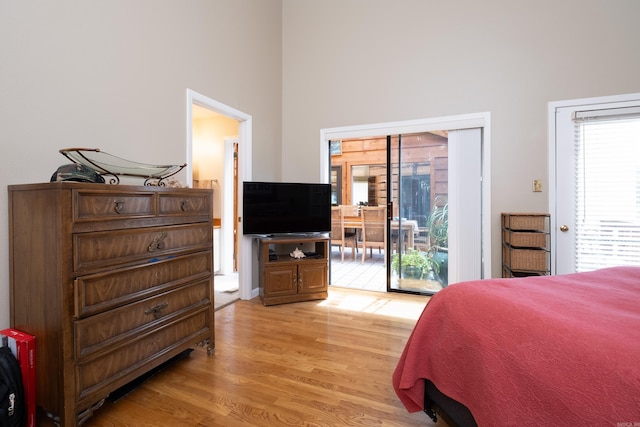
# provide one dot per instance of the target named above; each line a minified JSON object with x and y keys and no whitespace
{"x":532,"y":222}
{"x":526,"y":259}
{"x":508,"y":273}
{"x":521,"y":239}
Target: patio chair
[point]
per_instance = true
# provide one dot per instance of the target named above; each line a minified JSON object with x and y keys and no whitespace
{"x":339,"y":236}
{"x":374,"y":229}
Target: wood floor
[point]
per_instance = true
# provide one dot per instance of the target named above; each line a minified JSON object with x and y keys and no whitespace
{"x":319,"y":363}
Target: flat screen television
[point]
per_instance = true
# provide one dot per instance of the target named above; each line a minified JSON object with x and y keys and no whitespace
{"x":286,"y":208}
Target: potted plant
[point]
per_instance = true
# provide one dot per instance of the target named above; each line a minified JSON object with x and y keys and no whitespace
{"x":413,"y":264}
{"x":438,"y":226}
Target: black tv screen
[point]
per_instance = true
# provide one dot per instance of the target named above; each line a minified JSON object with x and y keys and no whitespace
{"x":286,"y":207}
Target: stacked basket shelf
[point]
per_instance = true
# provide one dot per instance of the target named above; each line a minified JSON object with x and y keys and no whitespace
{"x":525,"y":244}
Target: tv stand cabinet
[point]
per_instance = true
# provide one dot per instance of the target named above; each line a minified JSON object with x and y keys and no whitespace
{"x":284,"y":279}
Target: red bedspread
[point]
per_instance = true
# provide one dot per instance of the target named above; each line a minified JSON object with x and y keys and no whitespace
{"x":536,"y":351}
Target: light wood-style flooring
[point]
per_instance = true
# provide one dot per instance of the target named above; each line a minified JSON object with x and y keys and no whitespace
{"x":317,"y":363}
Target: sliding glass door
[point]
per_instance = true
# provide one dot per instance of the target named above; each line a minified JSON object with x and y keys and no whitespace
{"x":418,"y":224}
{"x":430,"y":187}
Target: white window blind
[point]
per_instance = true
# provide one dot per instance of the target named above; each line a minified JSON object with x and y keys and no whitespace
{"x":607,"y":149}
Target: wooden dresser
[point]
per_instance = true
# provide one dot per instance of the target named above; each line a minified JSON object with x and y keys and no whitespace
{"x":113,"y":280}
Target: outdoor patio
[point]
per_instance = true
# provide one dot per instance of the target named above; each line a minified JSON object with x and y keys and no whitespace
{"x":352,"y":273}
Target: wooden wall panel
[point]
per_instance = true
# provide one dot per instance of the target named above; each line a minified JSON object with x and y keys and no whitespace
{"x":429,"y":151}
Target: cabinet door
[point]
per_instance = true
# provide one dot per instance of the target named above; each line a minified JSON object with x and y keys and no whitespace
{"x":280,"y":280}
{"x":312,"y":278}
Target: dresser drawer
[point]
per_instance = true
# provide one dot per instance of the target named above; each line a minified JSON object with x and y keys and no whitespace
{"x":107,"y":329}
{"x":105,"y":248}
{"x":185,"y":204}
{"x":106,"y":290}
{"x":106,"y":205}
{"x":145,"y":351}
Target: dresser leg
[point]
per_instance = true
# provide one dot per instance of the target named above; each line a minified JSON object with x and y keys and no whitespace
{"x":53,"y":417}
{"x":210,"y":348}
{"x":88,"y":413}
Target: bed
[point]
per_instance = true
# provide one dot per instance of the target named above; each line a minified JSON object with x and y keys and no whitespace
{"x":531,"y":351}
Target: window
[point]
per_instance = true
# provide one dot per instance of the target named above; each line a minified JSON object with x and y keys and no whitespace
{"x":336,"y":185}
{"x":360,"y":185}
{"x":607,"y":197}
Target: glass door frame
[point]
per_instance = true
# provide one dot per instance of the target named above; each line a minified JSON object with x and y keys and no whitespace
{"x":387,"y":250}
{"x":394,"y":283}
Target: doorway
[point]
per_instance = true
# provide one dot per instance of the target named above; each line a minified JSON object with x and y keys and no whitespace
{"x":413,"y":186}
{"x":221,"y":167}
{"x":406,"y":174}
{"x":214,"y":154}
{"x":594,"y":180}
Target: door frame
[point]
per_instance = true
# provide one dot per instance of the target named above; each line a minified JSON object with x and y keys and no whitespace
{"x":459,"y":122}
{"x":229,"y":207}
{"x":245,"y":124}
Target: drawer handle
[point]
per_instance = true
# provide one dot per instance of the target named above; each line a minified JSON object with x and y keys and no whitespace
{"x":184,"y":205}
{"x":118,"y":206}
{"x":157,"y":242}
{"x":156,"y":310}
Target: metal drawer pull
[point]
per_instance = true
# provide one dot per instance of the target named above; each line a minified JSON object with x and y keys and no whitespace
{"x":156,"y":310}
{"x":118,"y":206}
{"x":157,"y":242}
{"x":184,"y":205}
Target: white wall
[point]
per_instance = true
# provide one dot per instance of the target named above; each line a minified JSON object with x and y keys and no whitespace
{"x":354,"y":62}
{"x":114,"y":74}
